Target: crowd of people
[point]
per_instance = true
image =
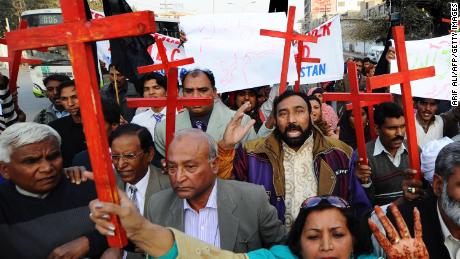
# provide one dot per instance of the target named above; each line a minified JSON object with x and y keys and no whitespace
{"x":255,"y":174}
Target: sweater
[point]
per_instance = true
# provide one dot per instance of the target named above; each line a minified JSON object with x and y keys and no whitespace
{"x":33,"y":227}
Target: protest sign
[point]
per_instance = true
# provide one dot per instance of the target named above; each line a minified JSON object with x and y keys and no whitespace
{"x":328,"y":49}
{"x":230,"y":45}
{"x":423,"y":53}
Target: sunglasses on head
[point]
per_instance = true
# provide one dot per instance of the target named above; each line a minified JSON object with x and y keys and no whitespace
{"x":332,"y":200}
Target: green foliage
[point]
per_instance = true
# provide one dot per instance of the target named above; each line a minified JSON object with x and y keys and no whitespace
{"x":370,"y":30}
{"x":418,"y":24}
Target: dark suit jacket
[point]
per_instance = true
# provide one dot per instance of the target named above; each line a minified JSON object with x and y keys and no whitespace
{"x":157,"y":182}
{"x":247,"y":221}
{"x":432,"y":233}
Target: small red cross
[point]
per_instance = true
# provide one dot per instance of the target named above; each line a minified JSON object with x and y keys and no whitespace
{"x":299,"y":58}
{"x":172,"y":101}
{"x":404,"y":77}
{"x":76,"y":32}
{"x":289,"y":36}
{"x":356,"y":99}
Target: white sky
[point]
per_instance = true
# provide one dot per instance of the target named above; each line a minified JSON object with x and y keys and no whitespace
{"x":212,"y":6}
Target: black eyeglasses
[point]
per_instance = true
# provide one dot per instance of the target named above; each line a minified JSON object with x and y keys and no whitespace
{"x":332,"y":200}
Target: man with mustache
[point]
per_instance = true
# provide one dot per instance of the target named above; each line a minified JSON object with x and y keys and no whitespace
{"x":430,"y":126}
{"x":440,"y":214}
{"x":388,"y":159}
{"x":293,"y":163}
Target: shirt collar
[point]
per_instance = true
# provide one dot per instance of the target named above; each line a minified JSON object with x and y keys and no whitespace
{"x":141,"y":186}
{"x":445,"y":231}
{"x":379,"y":148}
{"x":30,"y":194}
{"x":212,"y":200}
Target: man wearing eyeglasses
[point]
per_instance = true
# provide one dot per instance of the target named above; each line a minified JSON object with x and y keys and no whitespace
{"x":132,"y":151}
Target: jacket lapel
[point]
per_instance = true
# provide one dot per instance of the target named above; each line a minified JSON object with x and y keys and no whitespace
{"x":228,"y":222}
{"x":176,"y":211}
{"x":217,"y":118}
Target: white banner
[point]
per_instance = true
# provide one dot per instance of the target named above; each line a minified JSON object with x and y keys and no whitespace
{"x":424,"y":53}
{"x":328,"y":49}
{"x":230,"y":45}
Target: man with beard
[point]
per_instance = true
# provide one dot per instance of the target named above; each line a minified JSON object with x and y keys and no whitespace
{"x":440,"y":214}
{"x":55,"y":110}
{"x":388,"y":159}
{"x":430,"y":126}
{"x":293,"y":163}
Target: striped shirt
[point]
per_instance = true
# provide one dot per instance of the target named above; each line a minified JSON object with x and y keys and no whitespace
{"x":8,"y":115}
{"x":203,"y":225}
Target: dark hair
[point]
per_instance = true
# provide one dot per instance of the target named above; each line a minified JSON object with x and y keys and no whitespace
{"x":65,"y":84}
{"x":116,"y":66}
{"x":161,"y":80}
{"x":318,"y":90}
{"x":358,"y":59}
{"x":314,"y":98}
{"x":143,"y":134}
{"x":196,"y":72}
{"x":111,"y":111}
{"x":366,"y":59}
{"x":289,"y":93}
{"x":421,"y":99}
{"x":294,"y":236}
{"x":386,"y":110}
{"x":55,"y":77}
{"x":447,"y":160}
{"x":347,"y":133}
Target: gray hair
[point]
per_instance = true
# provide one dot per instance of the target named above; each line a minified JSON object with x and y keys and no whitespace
{"x":211,"y":141}
{"x":24,"y":133}
{"x":448,"y":159}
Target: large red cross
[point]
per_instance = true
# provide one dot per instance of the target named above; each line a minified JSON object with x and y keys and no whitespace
{"x":172,"y":101}
{"x":299,"y":58}
{"x":356,"y":98}
{"x":289,"y":36}
{"x":77,"y":33}
{"x":404,"y":77}
{"x":370,"y":113}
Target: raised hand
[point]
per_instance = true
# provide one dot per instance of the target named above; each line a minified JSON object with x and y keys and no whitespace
{"x":402,"y":245}
{"x":76,"y":174}
{"x":235,"y":132}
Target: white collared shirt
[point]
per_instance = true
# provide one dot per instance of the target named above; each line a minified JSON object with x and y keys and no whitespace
{"x":435,"y":131}
{"x":379,"y":148}
{"x":30,"y":194}
{"x":141,"y":190}
{"x":147,"y":120}
{"x":203,"y":225}
{"x":452,"y":244}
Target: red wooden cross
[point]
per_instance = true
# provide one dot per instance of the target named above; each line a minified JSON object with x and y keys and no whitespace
{"x":166,"y":64}
{"x":77,"y":32}
{"x":172,"y":101}
{"x":289,"y":36}
{"x":404,"y":77}
{"x":356,"y":98}
{"x":299,"y":58}
{"x":370,"y":113}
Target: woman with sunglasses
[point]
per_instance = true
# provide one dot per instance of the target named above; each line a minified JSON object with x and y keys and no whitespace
{"x":323,"y":229}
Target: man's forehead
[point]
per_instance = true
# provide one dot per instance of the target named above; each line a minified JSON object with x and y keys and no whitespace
{"x":69,"y":90}
{"x":292,"y":102}
{"x":53,"y":83}
{"x":392,"y":121}
{"x":190,"y":144}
